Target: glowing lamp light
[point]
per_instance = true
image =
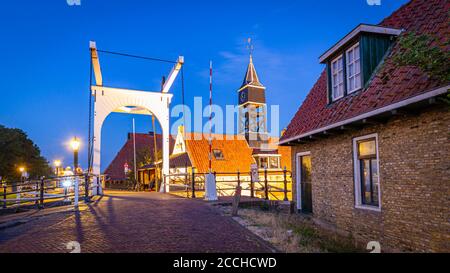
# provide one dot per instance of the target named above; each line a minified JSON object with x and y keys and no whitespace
{"x":75,"y":144}
{"x":67,"y":183}
{"x":21,"y":169}
{"x":57,"y":163}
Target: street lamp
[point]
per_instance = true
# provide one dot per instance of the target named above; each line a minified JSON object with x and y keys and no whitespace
{"x":22,"y":170}
{"x":75,"y":145}
{"x":57,"y":164}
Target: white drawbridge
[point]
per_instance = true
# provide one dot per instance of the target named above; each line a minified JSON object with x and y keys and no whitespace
{"x":108,"y":100}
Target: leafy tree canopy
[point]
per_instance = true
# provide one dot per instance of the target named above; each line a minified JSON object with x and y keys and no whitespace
{"x":17,"y":150}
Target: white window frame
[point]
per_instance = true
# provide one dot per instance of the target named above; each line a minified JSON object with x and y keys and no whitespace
{"x":357,"y":174}
{"x":268,"y":156}
{"x":333,"y":73}
{"x":298,"y":177}
{"x":348,"y":76}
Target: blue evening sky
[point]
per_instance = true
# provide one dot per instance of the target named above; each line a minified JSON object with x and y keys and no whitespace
{"x":44,"y":67}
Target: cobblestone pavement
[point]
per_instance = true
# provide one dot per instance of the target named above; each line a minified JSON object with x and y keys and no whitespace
{"x":134,"y":222}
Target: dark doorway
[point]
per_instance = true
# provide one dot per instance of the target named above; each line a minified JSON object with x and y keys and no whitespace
{"x":305,"y":184}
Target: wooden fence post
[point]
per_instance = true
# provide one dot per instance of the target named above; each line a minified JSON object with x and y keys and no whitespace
{"x":239,"y":178}
{"x":236,"y":200}
{"x":86,"y":188}
{"x":252,"y":186}
{"x":4,"y":194}
{"x":42,"y":193}
{"x":285,"y":184}
{"x":266,"y":185}
{"x":36,"y":195}
{"x":193,"y":182}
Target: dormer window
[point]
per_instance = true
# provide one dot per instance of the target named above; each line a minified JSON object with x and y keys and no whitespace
{"x":337,"y":76}
{"x":218,"y":154}
{"x":353,"y":69}
{"x":352,"y":61}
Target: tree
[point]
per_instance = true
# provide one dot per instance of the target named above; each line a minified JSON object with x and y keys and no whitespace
{"x":145,"y":156}
{"x":16,"y":150}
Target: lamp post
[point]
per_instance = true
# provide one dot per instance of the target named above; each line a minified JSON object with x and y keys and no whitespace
{"x":75,"y":145}
{"x":17,"y":189}
{"x":57,"y":164}
{"x":22,"y":174}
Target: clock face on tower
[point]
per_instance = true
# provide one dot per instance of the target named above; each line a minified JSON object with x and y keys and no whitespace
{"x":243,"y":97}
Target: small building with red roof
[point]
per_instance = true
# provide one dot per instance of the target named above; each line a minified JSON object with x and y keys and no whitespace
{"x":123,"y":162}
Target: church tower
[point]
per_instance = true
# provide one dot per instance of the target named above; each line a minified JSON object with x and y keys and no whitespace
{"x":252,"y":108}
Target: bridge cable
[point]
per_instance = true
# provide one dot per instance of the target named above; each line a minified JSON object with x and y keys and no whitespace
{"x":90,"y":140}
{"x":136,"y":56}
{"x":182,"y":101}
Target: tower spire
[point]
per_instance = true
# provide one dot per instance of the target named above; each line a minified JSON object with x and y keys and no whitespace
{"x":250,"y":48}
{"x":251,"y":77}
{"x":252,"y":105}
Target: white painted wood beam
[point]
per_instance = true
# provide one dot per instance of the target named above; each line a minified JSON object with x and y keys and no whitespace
{"x":173,"y":74}
{"x":96,"y":64}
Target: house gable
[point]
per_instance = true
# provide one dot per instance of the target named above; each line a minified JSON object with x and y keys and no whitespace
{"x":389,"y":84}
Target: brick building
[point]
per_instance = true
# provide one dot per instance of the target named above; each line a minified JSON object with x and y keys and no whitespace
{"x":144,"y":143}
{"x":370,"y":143}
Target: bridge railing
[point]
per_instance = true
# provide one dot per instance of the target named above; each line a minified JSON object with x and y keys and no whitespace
{"x":47,"y":190}
{"x":267,"y":184}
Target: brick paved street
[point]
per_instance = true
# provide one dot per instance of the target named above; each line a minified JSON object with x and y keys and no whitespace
{"x":133,"y":222}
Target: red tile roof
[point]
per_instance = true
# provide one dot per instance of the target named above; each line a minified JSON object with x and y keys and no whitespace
{"x":180,"y":161}
{"x":115,"y":169}
{"x":390,"y":85}
{"x":237,"y":153}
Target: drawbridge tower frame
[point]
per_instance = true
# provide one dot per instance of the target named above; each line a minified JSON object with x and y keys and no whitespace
{"x":109,"y":100}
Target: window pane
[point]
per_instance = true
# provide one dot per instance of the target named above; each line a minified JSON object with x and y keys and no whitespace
{"x":353,"y":69}
{"x":375,"y":185}
{"x":365,"y":182}
{"x":274,"y":163}
{"x":337,"y":78}
{"x":352,"y":83}
{"x":263,"y":162}
{"x":358,"y":81}
{"x":356,"y":51}
{"x":367,"y":148}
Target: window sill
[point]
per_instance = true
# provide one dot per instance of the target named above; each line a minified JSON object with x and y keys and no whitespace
{"x":353,"y":91}
{"x":363,"y":207}
{"x":336,"y":99}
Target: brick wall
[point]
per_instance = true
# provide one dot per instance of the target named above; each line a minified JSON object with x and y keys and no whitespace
{"x":414,"y":153}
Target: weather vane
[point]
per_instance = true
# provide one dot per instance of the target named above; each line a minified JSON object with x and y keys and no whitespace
{"x":250,"y":46}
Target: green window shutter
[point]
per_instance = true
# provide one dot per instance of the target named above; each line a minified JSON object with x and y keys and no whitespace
{"x":373,"y":48}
